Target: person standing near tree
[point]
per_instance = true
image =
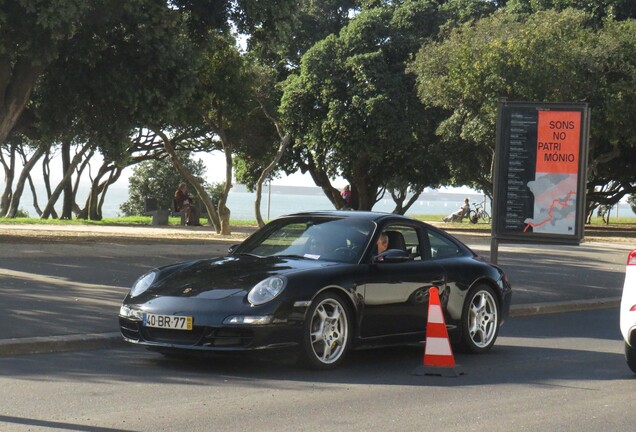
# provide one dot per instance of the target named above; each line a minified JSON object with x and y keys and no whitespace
{"x":346,"y":196}
{"x":183,"y":203}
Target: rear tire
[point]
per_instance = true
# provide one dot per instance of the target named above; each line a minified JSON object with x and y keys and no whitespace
{"x":480,"y":320}
{"x":630,"y":357}
{"x":326,"y":332}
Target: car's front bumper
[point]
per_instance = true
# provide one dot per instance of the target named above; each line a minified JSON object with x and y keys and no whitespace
{"x":213,"y":338}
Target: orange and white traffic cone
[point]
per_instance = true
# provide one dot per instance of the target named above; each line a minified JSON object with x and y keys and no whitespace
{"x":438,"y":355}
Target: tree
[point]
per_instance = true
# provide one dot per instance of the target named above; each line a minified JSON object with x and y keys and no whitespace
{"x":548,"y":56}
{"x":598,"y":10}
{"x":102,"y":68}
{"x":212,"y":115}
{"x":93,"y":72}
{"x":11,"y":210}
{"x":257,"y":158}
{"x":30,"y":40}
{"x":157,"y":179}
{"x":274,"y":55}
{"x":352,"y":108}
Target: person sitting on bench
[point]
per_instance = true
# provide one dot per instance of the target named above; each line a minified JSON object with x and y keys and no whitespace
{"x":183,"y":203}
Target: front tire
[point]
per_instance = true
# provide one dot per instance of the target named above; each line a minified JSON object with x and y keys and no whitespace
{"x":326,"y":332}
{"x":480,"y":320}
{"x":630,"y":357}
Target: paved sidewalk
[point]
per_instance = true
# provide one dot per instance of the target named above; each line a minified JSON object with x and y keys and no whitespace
{"x":51,"y":233}
{"x":61,"y":285}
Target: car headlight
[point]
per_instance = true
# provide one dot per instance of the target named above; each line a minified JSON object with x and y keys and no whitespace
{"x":266,"y":290}
{"x":143,"y":283}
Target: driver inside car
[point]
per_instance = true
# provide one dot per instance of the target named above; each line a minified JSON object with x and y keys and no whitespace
{"x":316,"y":246}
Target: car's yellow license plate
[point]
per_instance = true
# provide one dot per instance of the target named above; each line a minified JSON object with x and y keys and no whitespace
{"x":168,"y":321}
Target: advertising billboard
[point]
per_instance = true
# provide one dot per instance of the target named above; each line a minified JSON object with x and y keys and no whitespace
{"x":540,"y":172}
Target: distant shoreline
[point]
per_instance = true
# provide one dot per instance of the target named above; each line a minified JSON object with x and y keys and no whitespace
{"x":314,"y":190}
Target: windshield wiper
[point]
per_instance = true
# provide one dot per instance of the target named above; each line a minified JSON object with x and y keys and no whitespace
{"x":290,"y":256}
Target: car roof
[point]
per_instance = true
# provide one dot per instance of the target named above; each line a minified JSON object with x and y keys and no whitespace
{"x":367,"y":215}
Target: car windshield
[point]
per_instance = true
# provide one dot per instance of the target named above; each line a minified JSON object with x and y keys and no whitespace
{"x":318,"y":238}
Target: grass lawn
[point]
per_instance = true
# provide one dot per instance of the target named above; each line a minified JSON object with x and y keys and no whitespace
{"x":128,"y":220}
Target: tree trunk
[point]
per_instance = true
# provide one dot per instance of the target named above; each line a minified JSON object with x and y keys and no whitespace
{"x":103,"y":188}
{"x":67,"y":200}
{"x":34,"y":194}
{"x":46,"y":213}
{"x":400,"y":196}
{"x":19,"y":187}
{"x":92,"y":209}
{"x":284,"y":143}
{"x":90,"y":206}
{"x":365,"y":192}
{"x":93,"y":195}
{"x":207,"y":202}
{"x":224,"y":212}
{"x":15,"y":89}
{"x":9,"y":175}
{"x":46,"y":176}
{"x":285,"y":140}
{"x":321,"y":179}
{"x":79,"y":214}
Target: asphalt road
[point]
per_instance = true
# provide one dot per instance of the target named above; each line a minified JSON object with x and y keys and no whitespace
{"x":558,"y":372}
{"x":65,"y":288}
{"x":557,"y":273}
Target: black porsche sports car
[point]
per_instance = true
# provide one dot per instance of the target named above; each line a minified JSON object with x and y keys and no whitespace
{"x":316,"y":282}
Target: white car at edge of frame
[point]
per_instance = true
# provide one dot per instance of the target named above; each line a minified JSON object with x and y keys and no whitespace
{"x":628,"y":311}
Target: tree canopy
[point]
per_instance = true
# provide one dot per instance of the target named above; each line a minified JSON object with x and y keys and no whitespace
{"x":352,"y":108}
{"x":547,"y":56}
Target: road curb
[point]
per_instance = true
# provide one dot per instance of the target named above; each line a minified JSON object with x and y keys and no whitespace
{"x":567,"y":306}
{"x":78,"y":342}
{"x":51,"y":344}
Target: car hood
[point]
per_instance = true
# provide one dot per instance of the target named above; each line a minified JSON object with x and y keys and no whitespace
{"x":223,"y":277}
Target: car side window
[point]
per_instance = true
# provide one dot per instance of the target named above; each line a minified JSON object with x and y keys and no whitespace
{"x":404,"y":237}
{"x":442,"y":247}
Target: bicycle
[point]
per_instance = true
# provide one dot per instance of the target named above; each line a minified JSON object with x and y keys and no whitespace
{"x":479,"y":213}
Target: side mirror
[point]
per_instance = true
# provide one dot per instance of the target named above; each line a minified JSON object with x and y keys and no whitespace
{"x":232,"y":248}
{"x":391,"y":255}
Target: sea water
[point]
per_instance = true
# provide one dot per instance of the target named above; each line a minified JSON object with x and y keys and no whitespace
{"x":241,"y":204}
{"x":284,"y":200}
{"x":280,"y":201}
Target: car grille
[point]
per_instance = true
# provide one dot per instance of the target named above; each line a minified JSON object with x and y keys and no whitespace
{"x":199,"y":336}
{"x":176,"y":337}
{"x":227,"y":337}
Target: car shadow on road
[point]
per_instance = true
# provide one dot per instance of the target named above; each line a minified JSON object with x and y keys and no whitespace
{"x":506,"y":364}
